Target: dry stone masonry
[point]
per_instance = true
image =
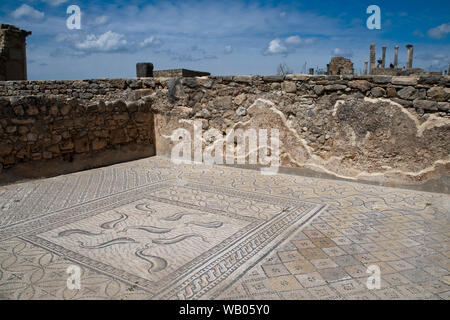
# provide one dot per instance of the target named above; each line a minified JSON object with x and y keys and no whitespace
{"x":388,"y":129}
{"x":68,"y":122}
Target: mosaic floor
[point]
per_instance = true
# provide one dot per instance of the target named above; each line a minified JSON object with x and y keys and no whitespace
{"x":149,"y":229}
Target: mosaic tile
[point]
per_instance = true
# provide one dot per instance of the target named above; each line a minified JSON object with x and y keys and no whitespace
{"x":308,"y":280}
{"x":149,"y":229}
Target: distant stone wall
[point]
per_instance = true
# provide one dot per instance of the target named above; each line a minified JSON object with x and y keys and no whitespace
{"x":80,"y":89}
{"x":174,"y":73}
{"x":383,"y":129}
{"x":398,"y":71}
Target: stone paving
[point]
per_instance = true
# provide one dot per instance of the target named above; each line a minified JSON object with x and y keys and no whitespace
{"x":149,"y":229}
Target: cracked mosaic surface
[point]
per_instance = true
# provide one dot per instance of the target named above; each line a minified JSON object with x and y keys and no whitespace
{"x":150,"y":229}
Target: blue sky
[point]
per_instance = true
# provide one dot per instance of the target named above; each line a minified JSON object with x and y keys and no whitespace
{"x":224,"y":38}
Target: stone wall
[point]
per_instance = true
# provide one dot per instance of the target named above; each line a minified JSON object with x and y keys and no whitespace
{"x":389,"y":130}
{"x":46,"y":134}
{"x":399,"y":71}
{"x":383,"y":129}
{"x":174,"y":73}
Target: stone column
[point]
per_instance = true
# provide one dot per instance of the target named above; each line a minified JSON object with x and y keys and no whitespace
{"x":372,"y":57}
{"x":409,"y":60}
{"x":144,"y":70}
{"x":383,"y":57}
{"x":365,"y":67}
{"x":396,"y":57}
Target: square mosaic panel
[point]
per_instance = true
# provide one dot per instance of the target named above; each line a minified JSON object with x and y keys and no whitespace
{"x":173,"y":239}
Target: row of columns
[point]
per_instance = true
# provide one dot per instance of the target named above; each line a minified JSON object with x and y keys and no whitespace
{"x":409,"y":59}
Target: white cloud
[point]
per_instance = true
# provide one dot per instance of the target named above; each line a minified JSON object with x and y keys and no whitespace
{"x":151,"y":42}
{"x":67,"y":36}
{"x":295,"y":40}
{"x":286,"y":46}
{"x":54,"y":2}
{"x":100,"y":20}
{"x":276,"y":47}
{"x":27,"y":12}
{"x":342,"y":52}
{"x":107,"y":42}
{"x":228,"y":49}
{"x":439,"y":32}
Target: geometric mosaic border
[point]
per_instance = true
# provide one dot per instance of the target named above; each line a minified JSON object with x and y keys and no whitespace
{"x":205,"y":276}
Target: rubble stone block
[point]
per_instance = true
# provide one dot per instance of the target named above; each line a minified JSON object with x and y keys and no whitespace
{"x":66,"y":145}
{"x":118,"y":136}
{"x":289,"y":87}
{"x":408,"y":93}
{"x":439,"y":94}
{"x":82,"y":145}
{"x":405,"y":81}
{"x":425,"y":105}
{"x":98,"y":144}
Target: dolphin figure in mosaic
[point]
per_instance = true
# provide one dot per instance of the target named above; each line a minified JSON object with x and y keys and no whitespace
{"x":108,"y":243}
{"x":150,"y":229}
{"x":156,"y":263}
{"x":145,"y":207}
{"x":69,"y":232}
{"x":176,"y":216}
{"x":111,"y":224}
{"x":178,"y":238}
{"x":212,"y":224}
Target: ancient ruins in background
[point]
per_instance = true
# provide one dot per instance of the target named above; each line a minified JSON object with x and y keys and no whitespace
{"x":343,"y":66}
{"x":340,"y":65}
{"x":393,"y":69}
{"x":13,"y":56}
